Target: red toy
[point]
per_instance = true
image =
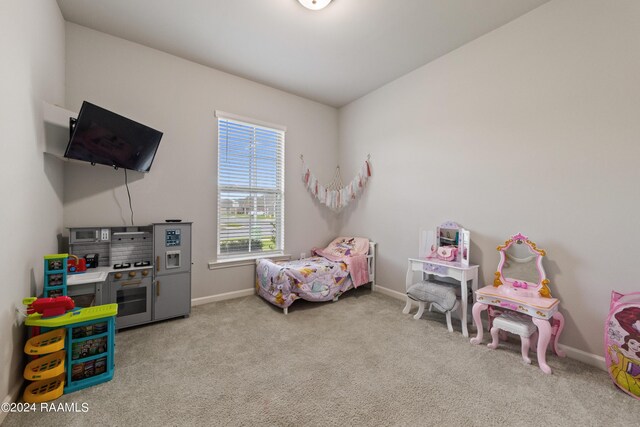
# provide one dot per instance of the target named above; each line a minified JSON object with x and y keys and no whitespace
{"x":76,"y":265}
{"x":49,"y":307}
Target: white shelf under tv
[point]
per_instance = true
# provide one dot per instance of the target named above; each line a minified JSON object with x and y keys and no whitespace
{"x":56,"y":129}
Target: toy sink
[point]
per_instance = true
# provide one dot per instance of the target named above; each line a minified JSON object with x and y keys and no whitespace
{"x":82,"y":278}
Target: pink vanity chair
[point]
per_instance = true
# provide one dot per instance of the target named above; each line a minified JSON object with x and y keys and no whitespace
{"x":520,"y":301}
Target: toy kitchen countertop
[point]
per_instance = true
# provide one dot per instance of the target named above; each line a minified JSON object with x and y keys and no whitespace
{"x":99,"y":274}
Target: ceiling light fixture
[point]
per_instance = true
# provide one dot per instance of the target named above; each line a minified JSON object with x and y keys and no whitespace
{"x":315,"y":4}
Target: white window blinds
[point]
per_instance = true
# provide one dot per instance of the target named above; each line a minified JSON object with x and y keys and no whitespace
{"x":250,"y":188}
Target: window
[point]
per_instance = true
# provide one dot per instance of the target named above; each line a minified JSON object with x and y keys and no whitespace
{"x":250,"y":187}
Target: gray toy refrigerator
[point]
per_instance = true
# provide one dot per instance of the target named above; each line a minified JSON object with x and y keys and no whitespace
{"x":172,"y":270}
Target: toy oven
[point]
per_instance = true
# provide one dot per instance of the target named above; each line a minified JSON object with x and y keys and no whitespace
{"x":131,"y":290}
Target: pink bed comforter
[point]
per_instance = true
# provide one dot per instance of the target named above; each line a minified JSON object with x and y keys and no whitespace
{"x":353,"y":252}
{"x":339,"y":267}
{"x":312,"y":279}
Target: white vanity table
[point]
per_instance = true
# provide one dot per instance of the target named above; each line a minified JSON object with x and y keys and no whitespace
{"x":452,"y":269}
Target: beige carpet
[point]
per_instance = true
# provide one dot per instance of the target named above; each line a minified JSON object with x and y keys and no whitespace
{"x":358,"y":361}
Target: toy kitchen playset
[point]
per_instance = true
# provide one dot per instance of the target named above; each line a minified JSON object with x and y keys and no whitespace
{"x":146,"y":270}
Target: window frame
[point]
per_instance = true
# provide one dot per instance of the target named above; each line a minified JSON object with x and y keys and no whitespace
{"x":279,"y":191}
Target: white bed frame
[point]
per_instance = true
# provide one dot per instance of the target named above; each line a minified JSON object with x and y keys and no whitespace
{"x":371,"y":267}
{"x":371,"y":264}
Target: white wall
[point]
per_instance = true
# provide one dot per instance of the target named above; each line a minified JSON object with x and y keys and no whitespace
{"x":32,"y":55}
{"x":531,"y":128}
{"x":179,"y":98}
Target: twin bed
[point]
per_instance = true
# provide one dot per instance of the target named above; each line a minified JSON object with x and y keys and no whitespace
{"x":348,"y":262}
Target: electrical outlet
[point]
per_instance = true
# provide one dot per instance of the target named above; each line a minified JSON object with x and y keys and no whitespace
{"x":20,"y":314}
{"x":303,"y":255}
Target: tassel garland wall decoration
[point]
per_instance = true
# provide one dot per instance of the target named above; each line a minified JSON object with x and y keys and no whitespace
{"x":335,"y":195}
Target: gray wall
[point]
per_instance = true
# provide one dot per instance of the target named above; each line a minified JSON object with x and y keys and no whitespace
{"x":531,"y":128}
{"x":179,"y":98}
{"x":32,"y":57}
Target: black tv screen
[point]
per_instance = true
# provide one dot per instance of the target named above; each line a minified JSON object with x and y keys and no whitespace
{"x":103,"y":137}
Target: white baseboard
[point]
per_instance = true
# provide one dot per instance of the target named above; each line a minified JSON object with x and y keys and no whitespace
{"x":13,"y":396}
{"x":584,"y":357}
{"x":390,"y":292}
{"x":572,"y":353}
{"x":222,"y":297}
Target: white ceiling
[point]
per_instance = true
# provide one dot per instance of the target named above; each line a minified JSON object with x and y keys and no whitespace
{"x":333,"y":56}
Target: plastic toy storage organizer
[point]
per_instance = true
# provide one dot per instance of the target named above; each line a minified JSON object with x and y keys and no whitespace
{"x":55,"y":275}
{"x":76,"y":355}
{"x":89,"y":353}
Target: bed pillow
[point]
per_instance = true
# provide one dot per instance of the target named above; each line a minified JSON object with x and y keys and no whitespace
{"x":345,"y":247}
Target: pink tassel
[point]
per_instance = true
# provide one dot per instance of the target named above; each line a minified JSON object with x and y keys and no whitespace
{"x":340,"y":198}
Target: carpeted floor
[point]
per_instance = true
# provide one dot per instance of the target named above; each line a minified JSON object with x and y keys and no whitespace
{"x":358,"y":361}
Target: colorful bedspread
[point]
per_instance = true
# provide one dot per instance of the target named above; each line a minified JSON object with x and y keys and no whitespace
{"x":353,"y":251}
{"x":312,"y":279}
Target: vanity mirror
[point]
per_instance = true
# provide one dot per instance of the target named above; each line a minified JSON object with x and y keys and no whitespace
{"x":520,"y":268}
{"x":450,"y":243}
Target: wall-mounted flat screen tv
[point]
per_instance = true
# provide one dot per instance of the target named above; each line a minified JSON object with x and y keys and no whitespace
{"x":103,"y":137}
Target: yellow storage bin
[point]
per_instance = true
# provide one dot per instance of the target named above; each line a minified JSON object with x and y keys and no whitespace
{"x":45,"y":390}
{"x":45,"y":367}
{"x":46,"y":343}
